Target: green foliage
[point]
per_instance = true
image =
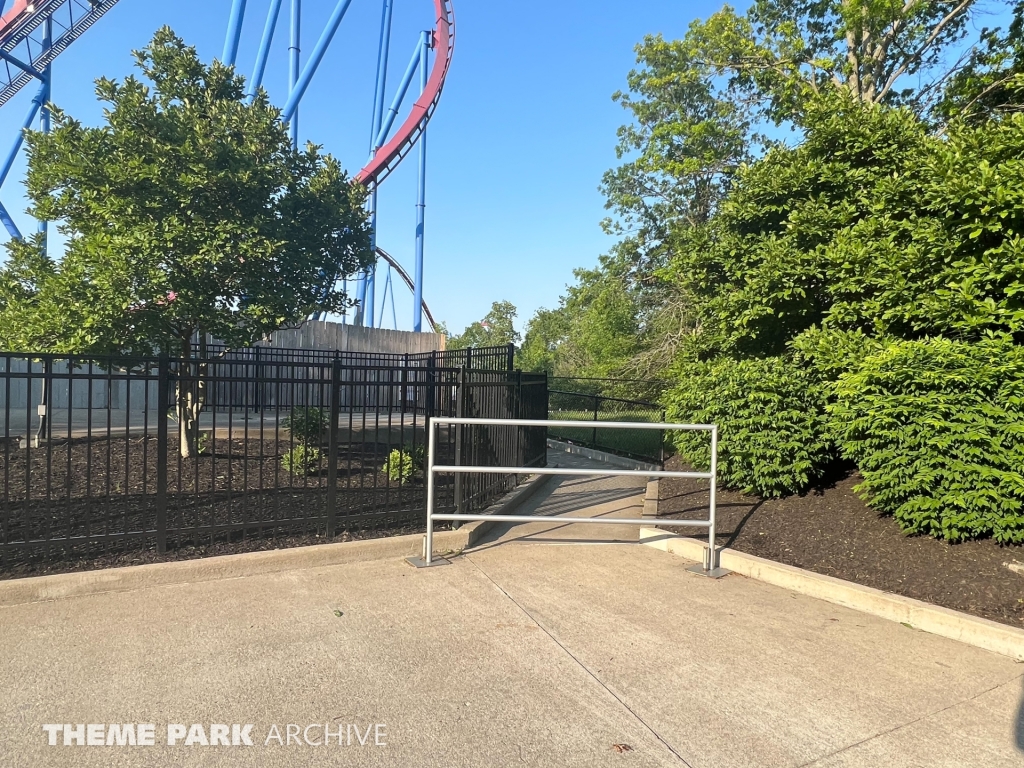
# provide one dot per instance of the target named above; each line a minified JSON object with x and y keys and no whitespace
{"x":991,"y":84}
{"x":307,"y":424}
{"x":595,"y":330}
{"x":302,"y":460}
{"x":937,"y":430}
{"x":771,"y":421}
{"x":402,"y":464}
{"x":495,"y":330}
{"x":186,"y":212}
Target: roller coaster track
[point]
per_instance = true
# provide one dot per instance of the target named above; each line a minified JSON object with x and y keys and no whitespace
{"x":393,"y":263}
{"x":387,"y":158}
{"x":25,"y":55}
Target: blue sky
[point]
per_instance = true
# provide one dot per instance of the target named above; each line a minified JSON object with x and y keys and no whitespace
{"x":525,"y":127}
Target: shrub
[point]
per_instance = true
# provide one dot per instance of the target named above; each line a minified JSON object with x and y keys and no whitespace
{"x":402,"y":464}
{"x":307,"y":424}
{"x":936,"y":428}
{"x":770,"y":417}
{"x":302,"y":460}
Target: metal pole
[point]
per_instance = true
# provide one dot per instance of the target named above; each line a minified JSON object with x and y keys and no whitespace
{"x":429,"y":542}
{"x":382,"y":73}
{"x":369,"y":285}
{"x":299,"y":87}
{"x":264,"y":49}
{"x":371,"y":280}
{"x":163,"y":386}
{"x":713,"y":554}
{"x":234,"y":32}
{"x":396,"y":103}
{"x":293,"y":68}
{"x":421,"y":195}
{"x":44,"y":111}
{"x":8,"y":222}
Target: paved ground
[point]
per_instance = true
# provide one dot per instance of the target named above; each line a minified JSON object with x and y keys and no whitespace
{"x":546,"y":646}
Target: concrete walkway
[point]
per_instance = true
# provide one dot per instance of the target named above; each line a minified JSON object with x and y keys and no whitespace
{"x":546,"y":645}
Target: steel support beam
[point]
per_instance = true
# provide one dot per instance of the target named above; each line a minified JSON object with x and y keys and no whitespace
{"x":44,"y":113}
{"x":234,"y":32}
{"x":264,"y":50}
{"x":421,"y":196}
{"x":21,"y":65}
{"x":299,"y":89}
{"x":294,"y":47}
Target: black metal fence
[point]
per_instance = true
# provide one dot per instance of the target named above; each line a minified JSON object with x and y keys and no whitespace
{"x":94,"y":459}
{"x":641,"y":444}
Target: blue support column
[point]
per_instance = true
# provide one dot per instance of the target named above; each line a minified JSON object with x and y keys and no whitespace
{"x":44,"y":110}
{"x":293,"y":68}
{"x":234,"y":32}
{"x":264,"y":51}
{"x":317,"y":55}
{"x":8,"y":222}
{"x":383,"y":51}
{"x":382,"y":72}
{"x":421,"y":195}
{"x":37,"y":102}
{"x":396,"y":104}
{"x":372,"y":270}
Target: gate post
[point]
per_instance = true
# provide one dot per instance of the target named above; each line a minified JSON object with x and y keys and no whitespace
{"x":163,"y":382}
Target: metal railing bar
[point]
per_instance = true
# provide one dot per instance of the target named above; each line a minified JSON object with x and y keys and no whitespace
{"x":582,"y":424}
{"x":561,"y":519}
{"x":466,"y":469}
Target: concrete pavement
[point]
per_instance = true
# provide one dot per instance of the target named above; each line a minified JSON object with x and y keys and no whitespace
{"x":545,"y":645}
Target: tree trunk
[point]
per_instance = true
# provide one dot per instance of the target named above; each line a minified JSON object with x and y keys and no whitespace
{"x":190,"y":396}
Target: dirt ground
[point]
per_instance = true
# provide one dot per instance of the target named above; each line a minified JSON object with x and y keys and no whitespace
{"x":829,"y":530}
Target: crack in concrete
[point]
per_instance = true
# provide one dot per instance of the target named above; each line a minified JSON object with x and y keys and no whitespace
{"x":909,"y":723}
{"x":580,"y":663}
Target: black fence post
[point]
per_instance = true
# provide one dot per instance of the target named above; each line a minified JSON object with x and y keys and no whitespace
{"x":511,"y":357}
{"x":163,"y":386}
{"x":431,"y":379}
{"x":257,"y":404}
{"x":332,"y":449}
{"x":597,"y":408}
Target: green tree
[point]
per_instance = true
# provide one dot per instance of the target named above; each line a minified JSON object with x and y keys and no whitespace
{"x":992,"y":82}
{"x":705,"y":106}
{"x":187,"y":214}
{"x":495,"y":330}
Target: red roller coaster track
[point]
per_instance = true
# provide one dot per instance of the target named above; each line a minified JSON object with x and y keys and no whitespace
{"x":391,"y":154}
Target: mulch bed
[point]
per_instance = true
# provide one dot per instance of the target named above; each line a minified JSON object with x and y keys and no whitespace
{"x":829,"y":530}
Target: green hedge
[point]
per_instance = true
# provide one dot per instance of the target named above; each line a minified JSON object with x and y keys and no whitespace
{"x":771,"y":421}
{"x":936,"y":428}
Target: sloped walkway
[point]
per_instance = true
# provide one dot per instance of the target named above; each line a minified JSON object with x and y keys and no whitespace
{"x":547,"y":645}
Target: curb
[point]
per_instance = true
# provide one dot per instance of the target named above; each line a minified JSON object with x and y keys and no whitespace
{"x":981,"y":633}
{"x":36,"y":589}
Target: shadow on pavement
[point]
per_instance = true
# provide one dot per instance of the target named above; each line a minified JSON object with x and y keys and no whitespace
{"x":1018,"y":731}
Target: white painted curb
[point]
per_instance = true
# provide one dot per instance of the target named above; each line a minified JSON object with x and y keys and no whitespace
{"x":981,"y":633}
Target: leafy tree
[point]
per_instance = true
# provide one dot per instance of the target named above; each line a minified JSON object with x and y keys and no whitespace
{"x":992,"y":82}
{"x":595,"y":330}
{"x":495,"y":330}
{"x":187,"y":214}
{"x":706,"y":106}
